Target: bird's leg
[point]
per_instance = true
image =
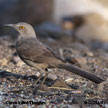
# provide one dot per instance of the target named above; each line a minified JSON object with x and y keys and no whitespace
{"x":46,"y":75}
{"x":39,"y":78}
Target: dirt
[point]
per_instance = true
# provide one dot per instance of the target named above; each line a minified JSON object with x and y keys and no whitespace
{"x":61,"y":89}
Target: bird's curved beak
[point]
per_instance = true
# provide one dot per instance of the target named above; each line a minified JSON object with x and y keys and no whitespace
{"x":9,"y":25}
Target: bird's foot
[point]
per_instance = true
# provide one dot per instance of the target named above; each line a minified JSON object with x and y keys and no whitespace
{"x":42,"y":82}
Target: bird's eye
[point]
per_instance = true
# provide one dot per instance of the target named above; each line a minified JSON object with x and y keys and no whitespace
{"x":21,"y":27}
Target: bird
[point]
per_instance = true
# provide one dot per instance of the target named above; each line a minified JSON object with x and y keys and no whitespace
{"x":38,"y":55}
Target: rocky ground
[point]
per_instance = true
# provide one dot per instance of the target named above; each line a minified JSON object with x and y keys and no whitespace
{"x":62,"y":89}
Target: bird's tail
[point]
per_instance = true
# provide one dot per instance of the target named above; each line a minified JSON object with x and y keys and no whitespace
{"x":80,"y":72}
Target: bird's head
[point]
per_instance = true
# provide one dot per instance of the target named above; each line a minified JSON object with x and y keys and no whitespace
{"x":24,"y":29}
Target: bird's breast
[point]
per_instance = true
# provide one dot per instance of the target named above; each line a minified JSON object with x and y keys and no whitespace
{"x":36,"y":65}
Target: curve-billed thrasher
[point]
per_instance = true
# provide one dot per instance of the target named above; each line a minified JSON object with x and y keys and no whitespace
{"x":37,"y":55}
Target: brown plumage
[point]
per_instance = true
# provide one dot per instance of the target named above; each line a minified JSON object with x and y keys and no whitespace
{"x":37,"y":55}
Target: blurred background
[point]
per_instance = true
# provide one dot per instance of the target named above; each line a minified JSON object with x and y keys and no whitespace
{"x":84,"y":19}
{"x":76,"y":29}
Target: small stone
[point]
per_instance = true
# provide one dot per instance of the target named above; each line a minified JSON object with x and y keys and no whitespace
{"x":4,"y":62}
{"x":81,"y":60}
{"x":69,"y":80}
{"x":20,"y":63}
{"x":38,"y":74}
{"x":90,"y":54}
{"x":52,"y":76}
{"x":60,"y":83}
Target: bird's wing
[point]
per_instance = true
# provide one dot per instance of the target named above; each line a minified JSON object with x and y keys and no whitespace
{"x":37,"y":52}
{"x":55,"y":54}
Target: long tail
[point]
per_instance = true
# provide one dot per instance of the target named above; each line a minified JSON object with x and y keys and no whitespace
{"x":80,"y":72}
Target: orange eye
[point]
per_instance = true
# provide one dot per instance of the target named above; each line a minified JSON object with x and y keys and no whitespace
{"x":21,"y":27}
